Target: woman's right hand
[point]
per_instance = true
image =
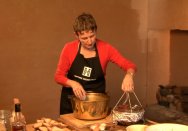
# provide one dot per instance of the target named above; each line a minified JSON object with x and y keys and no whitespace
{"x":78,"y":90}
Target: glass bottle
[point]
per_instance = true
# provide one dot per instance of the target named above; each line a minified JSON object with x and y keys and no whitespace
{"x":19,"y":123}
{"x":5,"y":124}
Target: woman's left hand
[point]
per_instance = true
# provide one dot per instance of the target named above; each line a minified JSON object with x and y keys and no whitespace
{"x":128,"y":83}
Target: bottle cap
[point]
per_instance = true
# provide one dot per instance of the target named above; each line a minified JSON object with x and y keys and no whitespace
{"x":17,"y":107}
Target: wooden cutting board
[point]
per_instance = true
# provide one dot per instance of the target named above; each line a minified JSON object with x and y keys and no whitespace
{"x":70,"y":120}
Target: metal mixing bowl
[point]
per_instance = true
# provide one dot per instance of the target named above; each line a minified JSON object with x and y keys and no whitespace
{"x":94,"y":107}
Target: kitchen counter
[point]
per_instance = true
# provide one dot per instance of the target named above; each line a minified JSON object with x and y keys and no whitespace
{"x":84,"y":125}
{"x":29,"y":127}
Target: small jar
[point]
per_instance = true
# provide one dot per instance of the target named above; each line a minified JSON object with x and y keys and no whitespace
{"x":5,"y":116}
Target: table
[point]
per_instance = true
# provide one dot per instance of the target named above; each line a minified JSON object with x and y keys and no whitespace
{"x":29,"y":127}
{"x":83,"y":125}
{"x":80,"y":127}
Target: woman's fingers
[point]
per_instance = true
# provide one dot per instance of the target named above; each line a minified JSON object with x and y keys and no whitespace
{"x":80,"y":93}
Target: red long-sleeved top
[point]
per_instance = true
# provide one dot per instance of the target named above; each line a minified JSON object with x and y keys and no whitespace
{"x":106,"y":53}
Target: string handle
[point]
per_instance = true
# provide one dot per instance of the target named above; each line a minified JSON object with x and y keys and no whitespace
{"x":121,"y":98}
{"x":128,"y":98}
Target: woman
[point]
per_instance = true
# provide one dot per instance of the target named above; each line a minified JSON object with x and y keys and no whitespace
{"x":82,"y":64}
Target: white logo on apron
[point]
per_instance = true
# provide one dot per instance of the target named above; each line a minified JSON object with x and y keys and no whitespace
{"x":86,"y":71}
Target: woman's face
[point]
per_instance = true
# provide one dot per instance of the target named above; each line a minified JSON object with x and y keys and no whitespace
{"x":87,"y":39}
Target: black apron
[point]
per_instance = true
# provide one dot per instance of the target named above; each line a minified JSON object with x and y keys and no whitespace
{"x":88,"y":72}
